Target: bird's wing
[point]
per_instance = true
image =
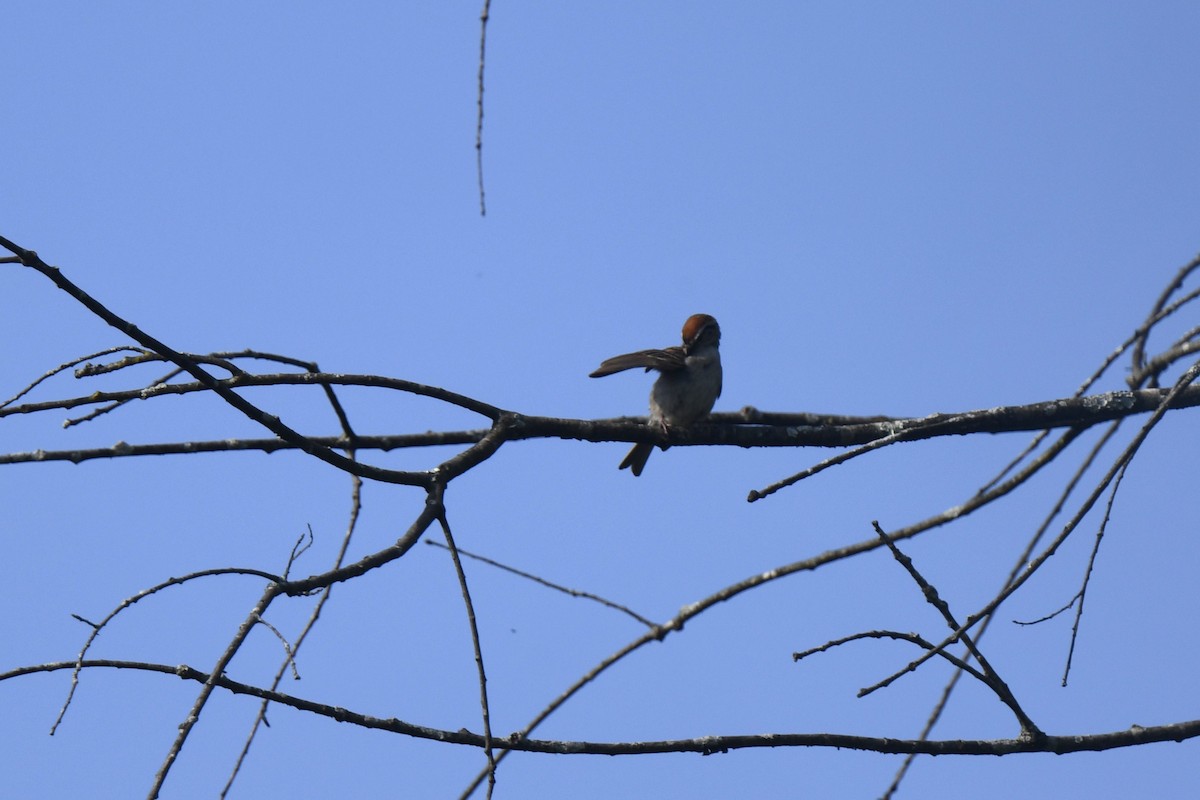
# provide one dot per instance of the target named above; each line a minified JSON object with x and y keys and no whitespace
{"x":668,"y":360}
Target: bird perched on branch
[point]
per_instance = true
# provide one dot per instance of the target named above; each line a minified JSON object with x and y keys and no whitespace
{"x":686,"y":389}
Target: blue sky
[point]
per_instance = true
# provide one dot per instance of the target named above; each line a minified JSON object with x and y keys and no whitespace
{"x":891,"y":209}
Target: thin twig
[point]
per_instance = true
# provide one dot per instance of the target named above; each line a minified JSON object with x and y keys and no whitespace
{"x":97,"y":627}
{"x":1081,"y":596}
{"x":920,"y":641}
{"x":471,"y":622}
{"x":483,"y":23}
{"x":287,"y":647}
{"x":62,"y":368}
{"x":991,"y":677}
{"x":1156,"y":314}
{"x":550,"y":585}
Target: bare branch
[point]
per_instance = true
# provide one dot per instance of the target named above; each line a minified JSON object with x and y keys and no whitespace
{"x":919,"y":641}
{"x":1158,"y":312}
{"x":261,"y":717}
{"x":210,"y":682}
{"x":61,"y":368}
{"x":483,"y":22}
{"x":1059,"y":744}
{"x":1081,"y":595}
{"x":97,"y":627}
{"x":548,"y":584}
{"x":747,"y":428}
{"x":272,"y":423}
{"x":992,"y":678}
{"x":488,"y":750}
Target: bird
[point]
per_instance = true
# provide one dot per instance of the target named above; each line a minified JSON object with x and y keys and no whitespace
{"x":688,"y":385}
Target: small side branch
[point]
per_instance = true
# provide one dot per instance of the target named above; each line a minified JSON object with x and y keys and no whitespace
{"x":488,"y":749}
{"x":550,"y":584}
{"x":991,"y":678}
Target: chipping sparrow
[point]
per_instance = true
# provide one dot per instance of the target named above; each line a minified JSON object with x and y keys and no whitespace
{"x":687,"y":388}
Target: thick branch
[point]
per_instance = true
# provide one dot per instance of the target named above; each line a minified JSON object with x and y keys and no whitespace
{"x":747,"y":428}
{"x":1095,"y":742}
